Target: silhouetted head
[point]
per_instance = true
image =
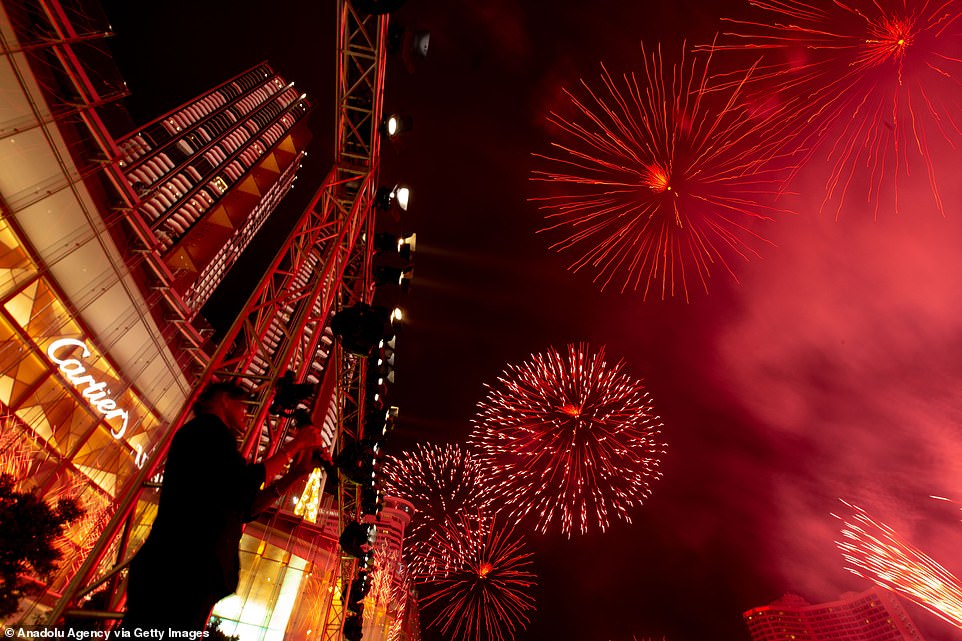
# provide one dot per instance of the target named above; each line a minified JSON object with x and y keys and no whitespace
{"x":227,"y":401}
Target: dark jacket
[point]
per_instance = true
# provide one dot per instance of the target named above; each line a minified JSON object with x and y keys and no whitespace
{"x":205,"y":499}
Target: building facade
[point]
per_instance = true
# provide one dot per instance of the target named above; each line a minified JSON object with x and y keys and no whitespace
{"x":873,"y":615}
{"x":108,"y":249}
{"x":288,"y":568}
{"x":208,"y":175}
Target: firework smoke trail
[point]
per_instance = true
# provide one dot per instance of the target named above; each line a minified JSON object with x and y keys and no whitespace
{"x":569,"y":439}
{"x":876,"y":552}
{"x":658,"y":180}
{"x":484,"y":589}
{"x":441,"y":482}
{"x":871,"y":84}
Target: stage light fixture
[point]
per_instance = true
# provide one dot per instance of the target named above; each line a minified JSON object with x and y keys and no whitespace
{"x":361,"y":326}
{"x":388,"y":246}
{"x":383,"y":198}
{"x":420,"y":42}
{"x":386,"y":275}
{"x":386,"y":197}
{"x":357,"y":539}
{"x":357,"y":460}
{"x":385,"y":361}
{"x":377,"y":423}
{"x":396,"y":124}
{"x":410,"y":44}
{"x":379,"y":375}
{"x":405,"y":246}
{"x":386,"y":243}
{"x":403,"y":196}
{"x":372,"y":499}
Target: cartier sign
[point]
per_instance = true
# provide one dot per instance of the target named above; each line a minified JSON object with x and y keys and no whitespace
{"x":94,"y":391}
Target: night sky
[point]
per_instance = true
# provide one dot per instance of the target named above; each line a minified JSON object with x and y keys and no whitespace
{"x":830,"y":370}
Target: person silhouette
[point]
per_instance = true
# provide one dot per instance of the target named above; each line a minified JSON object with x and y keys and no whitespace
{"x":190,"y":560}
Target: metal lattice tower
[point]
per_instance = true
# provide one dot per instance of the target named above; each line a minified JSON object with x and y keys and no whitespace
{"x":323,"y":266}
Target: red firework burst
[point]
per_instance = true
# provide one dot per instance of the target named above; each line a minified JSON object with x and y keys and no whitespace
{"x":876,"y":552}
{"x":657,"y":180}
{"x":442,"y":482}
{"x":570,"y":439}
{"x":872,"y":85}
{"x":484,"y":589}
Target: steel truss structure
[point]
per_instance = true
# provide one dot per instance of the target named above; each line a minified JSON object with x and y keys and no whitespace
{"x":323,"y":266}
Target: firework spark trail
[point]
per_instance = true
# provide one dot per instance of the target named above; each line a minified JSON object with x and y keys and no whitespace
{"x":388,"y":570}
{"x":569,"y":439}
{"x":484,"y":589}
{"x":870,"y":85}
{"x":399,"y":605}
{"x":441,"y":482}
{"x":947,"y":500}
{"x":657,"y":180}
{"x":876,"y":552}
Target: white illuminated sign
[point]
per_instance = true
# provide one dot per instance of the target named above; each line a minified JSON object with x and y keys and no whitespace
{"x":94,"y":391}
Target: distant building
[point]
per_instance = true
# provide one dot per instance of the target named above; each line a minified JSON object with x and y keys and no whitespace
{"x":873,"y":615}
{"x":209,"y":173}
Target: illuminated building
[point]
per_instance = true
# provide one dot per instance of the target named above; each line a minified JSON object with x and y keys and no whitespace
{"x":107,"y":251}
{"x":209,"y":173}
{"x":386,"y":604}
{"x":873,"y":615}
{"x":285,"y":584}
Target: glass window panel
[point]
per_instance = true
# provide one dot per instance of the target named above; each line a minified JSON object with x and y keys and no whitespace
{"x":144,"y":515}
{"x":20,"y":304}
{"x":48,"y":314}
{"x":106,"y":460}
{"x":29,"y":166}
{"x":54,"y":414}
{"x":26,"y":373}
{"x":287,"y":592}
